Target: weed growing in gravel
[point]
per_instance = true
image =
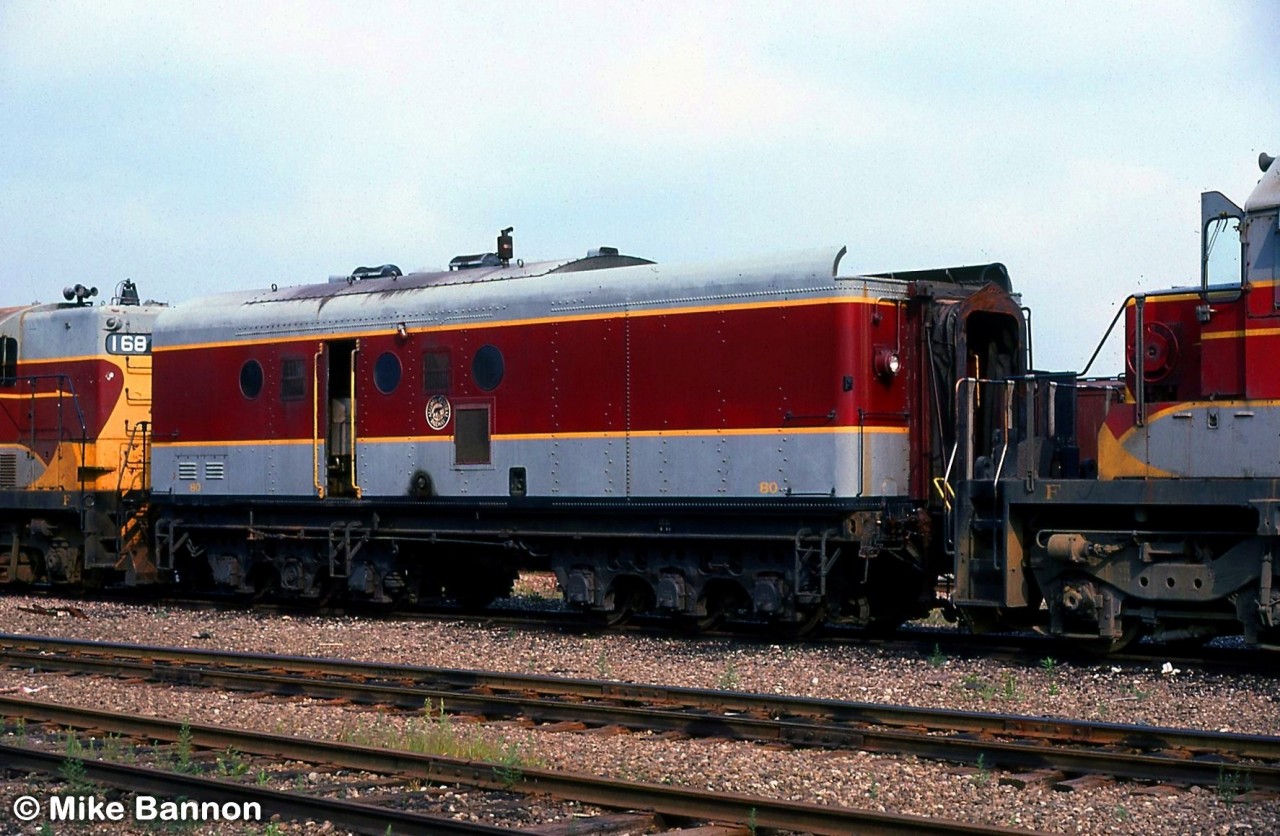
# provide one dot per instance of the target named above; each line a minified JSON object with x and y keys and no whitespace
{"x":937,"y":658}
{"x":986,"y":691}
{"x":114,"y":748}
{"x":603,"y":669}
{"x":984,"y":772}
{"x":1011,"y":687}
{"x":1121,"y":813}
{"x":1137,"y":693}
{"x":1049,"y":664}
{"x":729,"y":679}
{"x":273,"y":829}
{"x":72,"y":769}
{"x":874,"y":789}
{"x":20,"y":731}
{"x":231,"y":764}
{"x":184,"y":762}
{"x":1232,"y":782}
{"x":262,"y":778}
{"x":435,"y":733}
{"x":752,"y":824}
{"x":509,"y":769}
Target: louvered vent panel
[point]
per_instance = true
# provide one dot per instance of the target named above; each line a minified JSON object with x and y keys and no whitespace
{"x":188,"y":470}
{"x":214,"y":470}
{"x":8,"y":470}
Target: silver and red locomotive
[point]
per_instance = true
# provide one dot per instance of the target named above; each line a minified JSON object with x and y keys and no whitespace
{"x":774,"y":439}
{"x":763,"y":438}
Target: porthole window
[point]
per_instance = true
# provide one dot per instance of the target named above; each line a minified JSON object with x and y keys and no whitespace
{"x":487,"y":368}
{"x":251,"y":379}
{"x":386,"y":372}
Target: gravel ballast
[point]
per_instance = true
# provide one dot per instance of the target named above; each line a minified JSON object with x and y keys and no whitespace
{"x":1112,"y":692}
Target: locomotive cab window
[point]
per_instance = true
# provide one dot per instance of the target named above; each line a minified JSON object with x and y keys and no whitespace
{"x":1223,"y":254}
{"x":471,"y":435}
{"x":436,"y":377}
{"x":293,"y":383}
{"x":251,"y":379}
{"x":8,"y":361}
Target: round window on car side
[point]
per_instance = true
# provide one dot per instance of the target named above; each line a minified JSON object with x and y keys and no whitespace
{"x":487,"y":367}
{"x":251,"y":379}
{"x":386,"y":372}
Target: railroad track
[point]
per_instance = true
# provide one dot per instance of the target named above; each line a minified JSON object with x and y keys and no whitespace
{"x":1017,"y":648}
{"x":678,"y":802}
{"x":1012,"y":742}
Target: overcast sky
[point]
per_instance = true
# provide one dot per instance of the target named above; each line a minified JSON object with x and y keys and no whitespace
{"x":197,"y":147}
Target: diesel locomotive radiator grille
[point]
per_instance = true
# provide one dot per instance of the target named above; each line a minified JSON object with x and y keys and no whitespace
{"x":214,"y":470}
{"x":188,"y":471}
{"x":8,"y":470}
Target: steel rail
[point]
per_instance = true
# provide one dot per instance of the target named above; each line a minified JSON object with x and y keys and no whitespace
{"x":350,"y":815}
{"x":796,"y":720}
{"x":1015,"y":647}
{"x":605,"y":792}
{"x":991,"y":753}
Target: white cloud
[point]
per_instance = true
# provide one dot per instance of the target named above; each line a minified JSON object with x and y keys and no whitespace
{"x":686,"y":91}
{"x":184,"y":143}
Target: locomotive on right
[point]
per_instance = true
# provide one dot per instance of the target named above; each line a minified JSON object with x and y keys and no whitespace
{"x":1149,"y":505}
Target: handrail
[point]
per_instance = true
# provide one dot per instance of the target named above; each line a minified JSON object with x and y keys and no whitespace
{"x":355,"y":352}
{"x":1106,"y":336}
{"x":69,"y":389}
{"x":143,"y":427}
{"x":315,"y":422}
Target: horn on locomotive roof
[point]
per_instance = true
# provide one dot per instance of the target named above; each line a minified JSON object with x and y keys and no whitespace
{"x":1265,"y":160}
{"x":506,"y":247}
{"x":79,"y":294}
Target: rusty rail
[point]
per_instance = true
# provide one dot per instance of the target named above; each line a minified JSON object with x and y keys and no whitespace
{"x":734,"y":715}
{"x":667,"y":800}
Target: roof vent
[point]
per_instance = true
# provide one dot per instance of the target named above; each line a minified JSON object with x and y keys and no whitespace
{"x":386,"y":271}
{"x":467,"y":262}
{"x":602,"y":251}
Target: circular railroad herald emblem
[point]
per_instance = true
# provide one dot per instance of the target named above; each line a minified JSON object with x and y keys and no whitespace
{"x":438,"y":412}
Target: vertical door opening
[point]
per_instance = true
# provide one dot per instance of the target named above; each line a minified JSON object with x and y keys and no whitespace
{"x":340,"y":413}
